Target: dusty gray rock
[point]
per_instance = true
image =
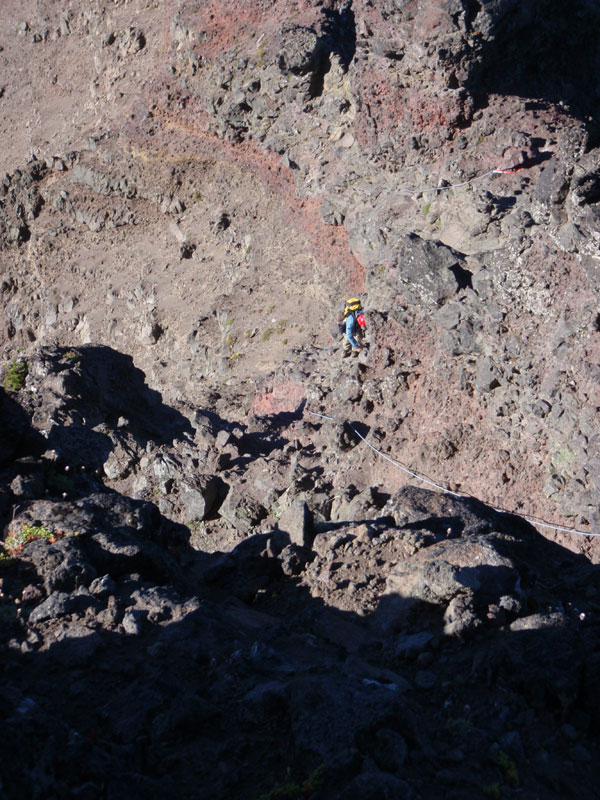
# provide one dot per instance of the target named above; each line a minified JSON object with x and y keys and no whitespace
{"x":133,"y":622}
{"x":296,"y":521}
{"x":55,"y":605}
{"x":60,"y":566}
{"x":241,"y":511}
{"x":198,"y":498}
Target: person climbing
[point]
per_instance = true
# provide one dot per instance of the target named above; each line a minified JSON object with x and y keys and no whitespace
{"x":353,"y":326}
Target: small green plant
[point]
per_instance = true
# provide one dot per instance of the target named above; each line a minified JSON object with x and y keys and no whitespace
{"x":508,"y":766}
{"x":247,"y":334}
{"x":267,"y":333}
{"x":379,"y":271}
{"x":284,"y":341}
{"x":426,"y":208}
{"x":29,"y":533}
{"x":315,"y":781}
{"x":230,"y":341}
{"x":14,"y":378}
{"x":283,"y":791}
{"x":295,"y":791}
{"x":229,"y":321}
{"x":261,"y":50}
{"x":493,"y":791}
{"x":233,"y":358}
{"x":458,"y":727}
{"x":73,"y":355}
{"x":281,"y":325}
{"x":5,"y":559}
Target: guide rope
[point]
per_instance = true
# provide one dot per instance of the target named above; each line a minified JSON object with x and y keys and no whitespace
{"x":424,"y":479}
{"x":497,"y":171}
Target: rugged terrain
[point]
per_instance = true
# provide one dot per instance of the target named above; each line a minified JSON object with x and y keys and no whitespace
{"x":212,"y":587}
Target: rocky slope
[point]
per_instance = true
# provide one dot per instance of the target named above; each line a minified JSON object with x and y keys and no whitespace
{"x":295,"y":638}
{"x":224,"y":594}
{"x":199,"y":185}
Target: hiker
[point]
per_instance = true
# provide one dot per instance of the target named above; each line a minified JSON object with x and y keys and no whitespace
{"x":353,"y":326}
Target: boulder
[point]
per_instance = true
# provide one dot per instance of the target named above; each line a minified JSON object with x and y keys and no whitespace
{"x":241,"y":511}
{"x":421,"y":273}
{"x":198,"y":497}
{"x":296,"y":521}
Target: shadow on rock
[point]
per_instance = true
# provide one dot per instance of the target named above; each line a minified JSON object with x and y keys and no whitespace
{"x":385,"y":667}
{"x":545,"y":51}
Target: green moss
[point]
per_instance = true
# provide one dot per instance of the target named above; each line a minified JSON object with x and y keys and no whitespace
{"x":15,"y":375}
{"x":563,"y":457}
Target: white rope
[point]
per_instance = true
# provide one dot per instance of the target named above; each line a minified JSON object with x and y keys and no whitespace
{"x":445,"y":490}
{"x":412,"y":192}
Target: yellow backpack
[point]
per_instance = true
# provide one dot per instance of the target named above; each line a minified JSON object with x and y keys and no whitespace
{"x":353,"y":306}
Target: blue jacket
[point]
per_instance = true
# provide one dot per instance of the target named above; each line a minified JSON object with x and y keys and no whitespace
{"x":351,"y":328}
